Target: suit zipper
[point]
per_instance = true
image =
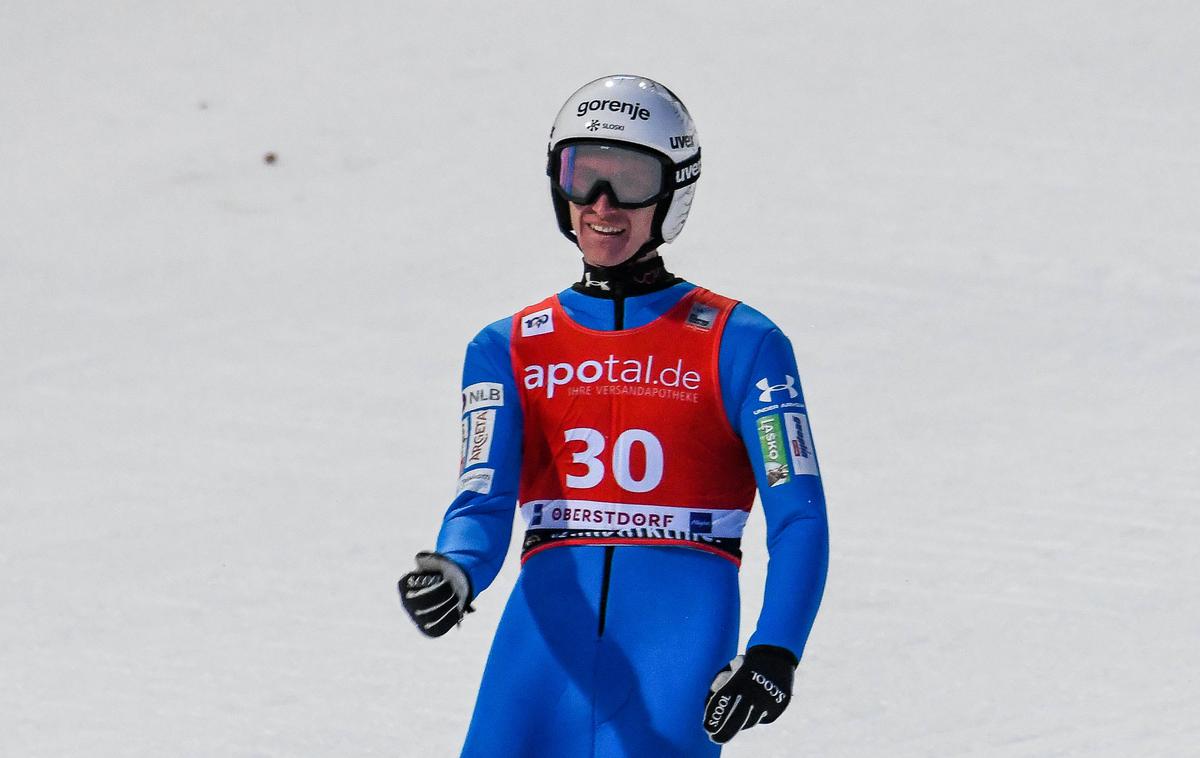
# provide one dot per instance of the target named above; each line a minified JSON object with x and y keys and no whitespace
{"x":608,"y":558}
{"x":618,"y":324}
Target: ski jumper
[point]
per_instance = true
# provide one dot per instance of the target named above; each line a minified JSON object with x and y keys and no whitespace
{"x":633,"y":434}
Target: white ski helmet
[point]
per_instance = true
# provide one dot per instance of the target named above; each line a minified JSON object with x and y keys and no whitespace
{"x":632,"y":112}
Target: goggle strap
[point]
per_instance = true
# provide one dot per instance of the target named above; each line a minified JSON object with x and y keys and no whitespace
{"x":688,"y":171}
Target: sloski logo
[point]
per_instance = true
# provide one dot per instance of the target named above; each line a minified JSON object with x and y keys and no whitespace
{"x":767,"y":388}
{"x":538,"y":322}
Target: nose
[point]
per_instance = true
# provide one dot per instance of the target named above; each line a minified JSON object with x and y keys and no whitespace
{"x":603,"y":204}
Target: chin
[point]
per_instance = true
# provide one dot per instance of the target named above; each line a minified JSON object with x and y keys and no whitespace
{"x":606,"y":255}
{"x":606,"y":259}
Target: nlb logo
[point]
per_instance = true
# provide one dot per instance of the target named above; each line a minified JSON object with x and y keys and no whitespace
{"x":482,"y":395}
{"x":611,"y":370}
{"x":635,"y":110}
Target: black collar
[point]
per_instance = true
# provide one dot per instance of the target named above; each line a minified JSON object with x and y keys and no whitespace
{"x":625,"y":279}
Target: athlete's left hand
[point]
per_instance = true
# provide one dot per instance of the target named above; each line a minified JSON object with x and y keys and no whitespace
{"x":752,"y":689}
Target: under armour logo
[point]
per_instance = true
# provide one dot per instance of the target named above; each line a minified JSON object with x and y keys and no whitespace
{"x":588,"y":281}
{"x":767,"y":388}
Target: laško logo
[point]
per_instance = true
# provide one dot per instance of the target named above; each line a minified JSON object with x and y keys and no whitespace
{"x":611,"y":370}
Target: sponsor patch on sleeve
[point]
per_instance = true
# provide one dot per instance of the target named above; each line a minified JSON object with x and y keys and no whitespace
{"x":477,"y":480}
{"x":538,"y":322}
{"x":702,"y":316}
{"x":479,"y":439}
{"x":466,"y":434}
{"x":800,"y":444}
{"x":770,"y":439}
{"x":482,"y":395}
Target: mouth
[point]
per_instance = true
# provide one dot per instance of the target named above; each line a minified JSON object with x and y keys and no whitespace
{"x":606,"y":230}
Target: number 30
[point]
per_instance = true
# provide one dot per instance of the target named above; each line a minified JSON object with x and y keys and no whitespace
{"x":590,"y":457}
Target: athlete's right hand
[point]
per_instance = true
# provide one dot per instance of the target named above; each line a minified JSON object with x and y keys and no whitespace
{"x":437,"y":595}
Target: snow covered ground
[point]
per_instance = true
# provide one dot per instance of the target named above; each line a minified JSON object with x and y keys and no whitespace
{"x":228,"y":390}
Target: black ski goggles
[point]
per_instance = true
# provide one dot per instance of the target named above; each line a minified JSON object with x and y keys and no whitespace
{"x":631,"y":176}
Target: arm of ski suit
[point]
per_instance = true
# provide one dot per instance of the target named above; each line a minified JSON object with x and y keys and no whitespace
{"x":765,"y":404}
{"x":477,"y":526}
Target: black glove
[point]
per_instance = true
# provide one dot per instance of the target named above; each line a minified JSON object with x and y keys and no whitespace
{"x":437,"y":595}
{"x":752,"y":689}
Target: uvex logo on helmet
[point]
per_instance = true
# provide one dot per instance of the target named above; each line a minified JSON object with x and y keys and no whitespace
{"x":635,"y":110}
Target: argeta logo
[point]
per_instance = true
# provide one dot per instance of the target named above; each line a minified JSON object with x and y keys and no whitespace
{"x":700,"y":523}
{"x":767,"y":388}
{"x":537,"y":515}
{"x":538,"y":322}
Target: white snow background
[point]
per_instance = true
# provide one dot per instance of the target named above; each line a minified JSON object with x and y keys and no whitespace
{"x":229,"y":390}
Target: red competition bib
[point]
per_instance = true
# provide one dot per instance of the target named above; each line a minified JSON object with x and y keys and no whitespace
{"x":626,"y":438}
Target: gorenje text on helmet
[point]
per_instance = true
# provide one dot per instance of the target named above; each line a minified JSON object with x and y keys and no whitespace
{"x":635,"y":110}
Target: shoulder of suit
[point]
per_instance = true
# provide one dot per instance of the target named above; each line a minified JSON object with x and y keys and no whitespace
{"x":746,"y":320}
{"x":495,"y":334}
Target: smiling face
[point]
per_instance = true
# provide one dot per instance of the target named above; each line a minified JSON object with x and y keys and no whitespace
{"x":609,"y":235}
{"x":606,"y":234}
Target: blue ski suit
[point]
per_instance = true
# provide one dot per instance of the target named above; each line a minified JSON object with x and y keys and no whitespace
{"x":607,"y":651}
